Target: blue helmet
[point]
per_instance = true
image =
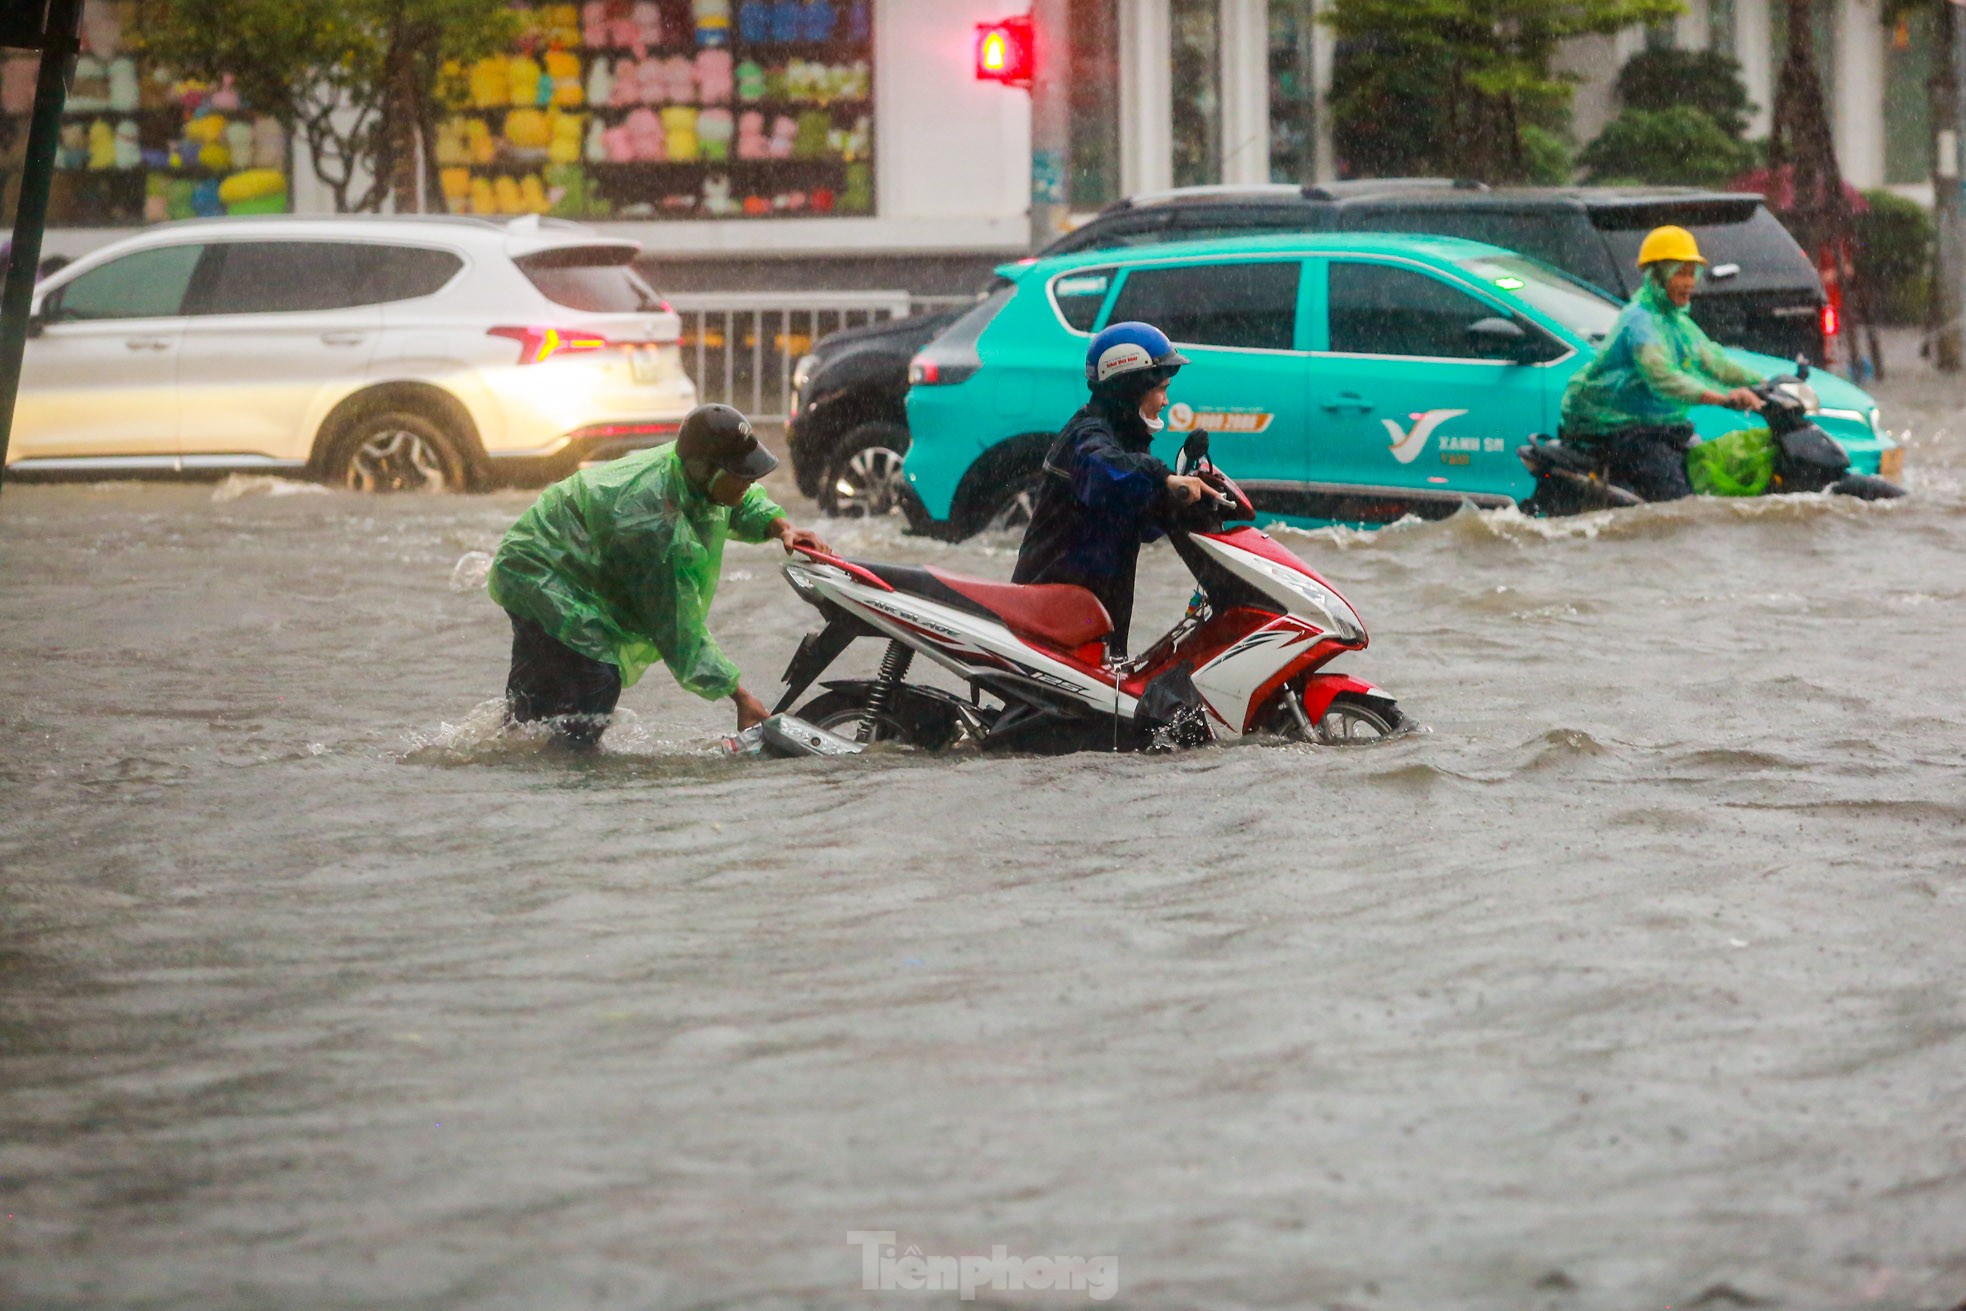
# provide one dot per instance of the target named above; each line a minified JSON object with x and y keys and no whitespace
{"x":1129,"y":348}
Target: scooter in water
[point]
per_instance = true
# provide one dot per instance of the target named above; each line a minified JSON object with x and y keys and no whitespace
{"x":1248,"y":657}
{"x":1806,"y":459}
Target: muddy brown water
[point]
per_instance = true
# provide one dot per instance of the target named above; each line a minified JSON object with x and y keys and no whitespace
{"x":1633,"y":980}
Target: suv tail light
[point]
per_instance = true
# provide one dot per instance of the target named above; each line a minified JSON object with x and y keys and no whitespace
{"x":1830,"y":322}
{"x":927,"y":371}
{"x":538,"y":344}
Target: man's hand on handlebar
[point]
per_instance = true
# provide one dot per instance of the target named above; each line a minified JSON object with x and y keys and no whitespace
{"x":1741,"y":398}
{"x":1186,"y":489}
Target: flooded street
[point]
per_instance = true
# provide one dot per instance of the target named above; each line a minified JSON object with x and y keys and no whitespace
{"x":1634,"y":980}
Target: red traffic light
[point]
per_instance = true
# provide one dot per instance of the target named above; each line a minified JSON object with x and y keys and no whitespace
{"x":1004,"y":51}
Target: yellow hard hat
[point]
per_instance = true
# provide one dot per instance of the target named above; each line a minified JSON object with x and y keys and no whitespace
{"x":1670,"y":243}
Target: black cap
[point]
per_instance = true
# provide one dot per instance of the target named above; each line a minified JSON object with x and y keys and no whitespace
{"x":723,"y":437}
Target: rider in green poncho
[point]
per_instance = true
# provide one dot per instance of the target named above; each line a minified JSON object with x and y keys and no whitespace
{"x":1630,"y":404}
{"x":614,"y":569}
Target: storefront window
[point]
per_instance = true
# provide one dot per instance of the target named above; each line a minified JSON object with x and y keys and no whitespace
{"x":656,"y":109}
{"x":1197,"y":82}
{"x":1094,"y":90}
{"x":139,"y":144}
{"x":1293,"y":98}
{"x":1721,"y":26}
{"x":1908,"y":58}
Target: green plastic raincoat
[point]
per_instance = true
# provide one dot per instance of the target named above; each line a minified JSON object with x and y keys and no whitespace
{"x":1655,"y":368}
{"x":620,"y":562}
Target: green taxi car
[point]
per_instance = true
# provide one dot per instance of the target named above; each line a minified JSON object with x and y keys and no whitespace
{"x":1347,"y":377}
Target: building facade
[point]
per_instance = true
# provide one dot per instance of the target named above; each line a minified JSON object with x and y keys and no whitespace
{"x":894,"y":151}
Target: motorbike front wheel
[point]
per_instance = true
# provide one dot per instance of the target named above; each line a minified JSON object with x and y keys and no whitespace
{"x":910,"y":719}
{"x":1350,"y":720}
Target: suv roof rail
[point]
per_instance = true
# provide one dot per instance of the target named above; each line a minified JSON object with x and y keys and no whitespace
{"x":1226,"y":189}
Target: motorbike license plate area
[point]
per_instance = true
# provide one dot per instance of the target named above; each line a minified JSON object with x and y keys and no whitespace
{"x":644,"y":364}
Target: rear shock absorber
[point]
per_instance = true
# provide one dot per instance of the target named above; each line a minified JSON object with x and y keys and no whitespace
{"x":894,"y":668}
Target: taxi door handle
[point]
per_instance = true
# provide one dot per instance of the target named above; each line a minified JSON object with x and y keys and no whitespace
{"x":1348,"y":400}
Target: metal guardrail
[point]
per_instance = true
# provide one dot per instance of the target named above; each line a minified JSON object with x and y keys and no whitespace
{"x":740,"y":347}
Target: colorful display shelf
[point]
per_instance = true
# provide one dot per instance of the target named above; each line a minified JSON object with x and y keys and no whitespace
{"x":139,"y":145}
{"x":635,"y":109}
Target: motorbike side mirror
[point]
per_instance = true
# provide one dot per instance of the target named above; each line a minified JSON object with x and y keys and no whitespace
{"x":1195,"y":449}
{"x":1500,"y":338}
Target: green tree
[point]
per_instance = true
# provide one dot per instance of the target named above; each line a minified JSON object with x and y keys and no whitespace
{"x":1484,"y":68}
{"x":1706,"y":80}
{"x":1680,"y":147}
{"x":357,"y":80}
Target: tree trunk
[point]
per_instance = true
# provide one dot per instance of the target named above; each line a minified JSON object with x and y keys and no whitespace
{"x":401,"y":114}
{"x":1801,"y":146}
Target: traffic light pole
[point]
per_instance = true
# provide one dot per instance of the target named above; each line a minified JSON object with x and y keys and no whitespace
{"x":59,"y":46}
{"x":1051,"y":122}
{"x":1948,"y":202}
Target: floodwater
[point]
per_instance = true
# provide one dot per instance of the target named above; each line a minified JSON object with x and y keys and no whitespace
{"x":1633,"y":981}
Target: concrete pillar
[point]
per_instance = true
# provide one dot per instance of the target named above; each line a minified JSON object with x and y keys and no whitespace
{"x":1146,"y":97}
{"x":1857,"y":111}
{"x":1752,"y":46}
{"x":1323,"y":45}
{"x":1245,"y":29}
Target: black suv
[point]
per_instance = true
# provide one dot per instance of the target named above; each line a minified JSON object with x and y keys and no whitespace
{"x":849,"y":427}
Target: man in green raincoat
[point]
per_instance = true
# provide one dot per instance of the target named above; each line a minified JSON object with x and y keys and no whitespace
{"x":1630,"y":405}
{"x":614,"y":569}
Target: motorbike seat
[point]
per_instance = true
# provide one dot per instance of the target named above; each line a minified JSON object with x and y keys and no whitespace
{"x":1057,"y":614}
{"x":1566,"y":457}
{"x":1061,"y":614}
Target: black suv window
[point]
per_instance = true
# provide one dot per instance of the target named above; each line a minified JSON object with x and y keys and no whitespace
{"x":1248,"y":305}
{"x":1558,"y":237}
{"x":1768,"y":257}
{"x":285,"y":277}
{"x":1383,"y":309}
{"x":146,"y":284}
{"x":1079,"y":294}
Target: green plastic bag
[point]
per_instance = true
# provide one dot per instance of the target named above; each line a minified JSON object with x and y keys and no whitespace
{"x":1741,"y":463}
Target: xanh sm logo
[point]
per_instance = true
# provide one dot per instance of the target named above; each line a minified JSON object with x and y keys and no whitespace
{"x":1408,"y":444}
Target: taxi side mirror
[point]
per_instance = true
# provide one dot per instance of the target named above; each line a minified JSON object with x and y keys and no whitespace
{"x":1503,"y":339}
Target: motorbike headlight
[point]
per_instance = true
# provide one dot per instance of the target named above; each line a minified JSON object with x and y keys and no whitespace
{"x":1803,"y":394}
{"x":1312,"y":600}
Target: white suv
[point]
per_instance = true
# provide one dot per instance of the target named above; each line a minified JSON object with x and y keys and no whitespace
{"x":382,"y":353}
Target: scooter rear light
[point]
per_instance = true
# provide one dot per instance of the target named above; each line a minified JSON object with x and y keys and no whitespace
{"x":923,"y":372}
{"x":539,"y":343}
{"x":1831,"y":324}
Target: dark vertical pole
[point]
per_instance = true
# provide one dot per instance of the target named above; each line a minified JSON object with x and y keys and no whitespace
{"x":31,"y":212}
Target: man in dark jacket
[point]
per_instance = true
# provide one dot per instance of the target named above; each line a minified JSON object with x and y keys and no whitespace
{"x":1102,"y":493}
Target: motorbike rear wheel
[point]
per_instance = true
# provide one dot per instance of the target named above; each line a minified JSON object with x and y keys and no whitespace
{"x":911,"y":720}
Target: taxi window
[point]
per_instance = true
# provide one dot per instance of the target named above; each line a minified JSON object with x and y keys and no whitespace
{"x":1079,"y":294}
{"x":1252,"y":306}
{"x":1382,"y":309}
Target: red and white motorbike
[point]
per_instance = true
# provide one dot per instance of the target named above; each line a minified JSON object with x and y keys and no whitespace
{"x":1248,"y":657}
